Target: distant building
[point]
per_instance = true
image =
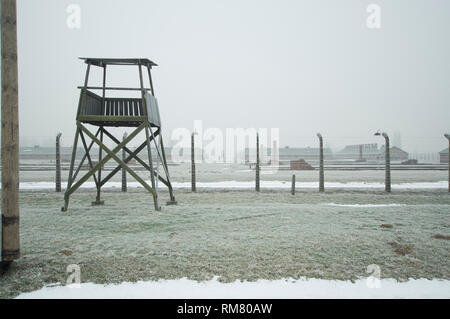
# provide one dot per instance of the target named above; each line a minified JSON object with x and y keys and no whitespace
{"x":359,"y":152}
{"x":300,"y":164}
{"x":443,"y":156}
{"x":306,"y":153}
{"x":363,"y":152}
{"x":287,"y":154}
{"x":396,"y":154}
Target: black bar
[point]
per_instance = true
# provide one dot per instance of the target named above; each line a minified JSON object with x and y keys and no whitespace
{"x":112,"y":88}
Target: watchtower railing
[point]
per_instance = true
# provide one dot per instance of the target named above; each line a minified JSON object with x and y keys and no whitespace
{"x":94,"y":108}
{"x":123,"y":107}
{"x":91,"y":104}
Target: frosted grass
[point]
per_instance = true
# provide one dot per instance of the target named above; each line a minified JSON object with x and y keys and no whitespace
{"x":234,"y":234}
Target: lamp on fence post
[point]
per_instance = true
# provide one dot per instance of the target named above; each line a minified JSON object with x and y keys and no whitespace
{"x":387,"y":181}
{"x":448,"y":159}
{"x":58,"y":163}
{"x":321,"y":175}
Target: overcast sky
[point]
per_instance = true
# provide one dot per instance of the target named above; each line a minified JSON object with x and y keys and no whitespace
{"x":301,"y":66}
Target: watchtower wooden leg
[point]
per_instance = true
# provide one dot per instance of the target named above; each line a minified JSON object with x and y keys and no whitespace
{"x":82,"y":130}
{"x":129,"y":158}
{"x":166,"y":169}
{"x":124,"y":172}
{"x":112,"y":154}
{"x":162,"y":157}
{"x":105,"y":159}
{"x":72,"y":163}
{"x":84,"y":157}
{"x":150,"y":160}
{"x":99,"y":202}
{"x":91,"y":165}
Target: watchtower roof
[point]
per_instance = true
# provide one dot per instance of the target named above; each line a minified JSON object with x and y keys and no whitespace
{"x":118,"y":61}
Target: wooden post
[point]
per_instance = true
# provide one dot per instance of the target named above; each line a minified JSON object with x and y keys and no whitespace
{"x":58,"y":163}
{"x":293,"y":185}
{"x":98,"y":201}
{"x":147,"y":136}
{"x":448,"y":158}
{"x":321,"y":173}
{"x":387,"y":179}
{"x":10,"y":134}
{"x":172,"y":200}
{"x":124,"y":171}
{"x":257,"y":185}
{"x":388,"y":164}
{"x":193,"y":181}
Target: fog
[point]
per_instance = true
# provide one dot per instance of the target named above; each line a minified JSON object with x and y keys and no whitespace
{"x":300,"y":66}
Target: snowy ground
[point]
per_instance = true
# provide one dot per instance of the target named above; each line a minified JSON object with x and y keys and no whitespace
{"x":261,"y":289}
{"x":237,"y":234}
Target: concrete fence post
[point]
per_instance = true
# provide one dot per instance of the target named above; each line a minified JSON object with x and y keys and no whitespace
{"x":293,"y":185}
{"x":58,"y":163}
{"x":193,"y":178}
{"x":388,"y":164}
{"x":257,"y":181}
{"x":387,"y":153}
{"x":321,"y":168}
{"x":448,"y":159}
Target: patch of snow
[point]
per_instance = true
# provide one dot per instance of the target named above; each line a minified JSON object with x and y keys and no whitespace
{"x":288,"y":289}
{"x":364,"y":205}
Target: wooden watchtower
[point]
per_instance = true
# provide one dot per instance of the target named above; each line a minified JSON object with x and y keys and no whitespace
{"x":103,"y":112}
